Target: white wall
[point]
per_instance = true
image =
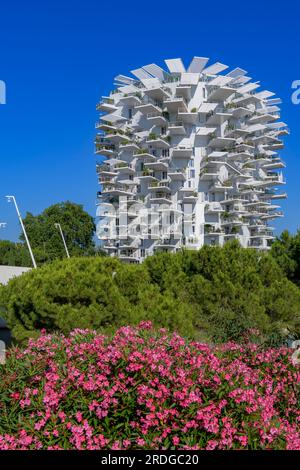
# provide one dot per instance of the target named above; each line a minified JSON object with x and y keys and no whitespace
{"x":8,"y":272}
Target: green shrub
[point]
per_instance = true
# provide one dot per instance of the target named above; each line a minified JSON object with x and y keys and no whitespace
{"x":215,"y":293}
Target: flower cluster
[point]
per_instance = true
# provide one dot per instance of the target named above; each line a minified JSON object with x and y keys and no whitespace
{"x":147,"y":389}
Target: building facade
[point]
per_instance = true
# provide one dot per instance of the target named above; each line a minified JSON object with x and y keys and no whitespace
{"x":188,"y":157}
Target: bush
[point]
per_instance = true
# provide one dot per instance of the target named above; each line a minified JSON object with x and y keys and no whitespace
{"x":146,"y":389}
{"x":214,"y":294}
{"x":99,"y":293}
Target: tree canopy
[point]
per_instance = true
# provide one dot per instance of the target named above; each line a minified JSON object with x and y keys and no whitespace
{"x":45,"y":239}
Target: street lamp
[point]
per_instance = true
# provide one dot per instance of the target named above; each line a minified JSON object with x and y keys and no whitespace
{"x":63,"y":239}
{"x":13,"y":199}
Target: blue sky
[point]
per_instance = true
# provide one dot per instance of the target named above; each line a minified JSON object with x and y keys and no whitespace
{"x":58,"y":57}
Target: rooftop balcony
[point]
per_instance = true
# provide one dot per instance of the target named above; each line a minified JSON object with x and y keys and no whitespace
{"x":130,"y":146}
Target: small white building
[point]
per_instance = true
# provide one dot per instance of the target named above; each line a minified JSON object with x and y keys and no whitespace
{"x":8,"y":272}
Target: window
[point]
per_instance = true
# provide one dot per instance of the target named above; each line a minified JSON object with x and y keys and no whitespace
{"x":165,"y":152}
{"x":142,"y":253}
{"x":191,"y":163}
{"x":192,"y":173}
{"x":163,"y":131}
{"x":129,"y":113}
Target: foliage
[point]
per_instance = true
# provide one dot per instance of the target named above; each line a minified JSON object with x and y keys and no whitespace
{"x":146,"y":389}
{"x":78,"y":229}
{"x":14,"y":254}
{"x":215,"y":294}
{"x":286,"y":251}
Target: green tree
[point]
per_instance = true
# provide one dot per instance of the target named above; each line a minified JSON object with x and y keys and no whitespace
{"x":14,"y":254}
{"x":286,"y":251}
{"x":77,"y":225}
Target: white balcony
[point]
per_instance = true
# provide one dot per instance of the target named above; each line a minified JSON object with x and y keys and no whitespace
{"x":157,"y":119}
{"x":182,"y":152}
{"x":220,"y":93}
{"x":144,"y":155}
{"x":177,"y":175}
{"x":130,"y":100}
{"x":188,"y":117}
{"x":130,"y":146}
{"x":157,"y":93}
{"x":221,"y":142}
{"x":161,"y":186}
{"x":156,"y":166}
{"x":175,"y":103}
{"x":106,"y":105}
{"x":158,"y":142}
{"x":176,"y":128}
{"x":148,"y":108}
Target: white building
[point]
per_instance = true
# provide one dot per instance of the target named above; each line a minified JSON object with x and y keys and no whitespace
{"x":190,"y":159}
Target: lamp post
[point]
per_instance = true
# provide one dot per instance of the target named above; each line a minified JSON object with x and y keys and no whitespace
{"x":13,"y":199}
{"x":57,"y":225}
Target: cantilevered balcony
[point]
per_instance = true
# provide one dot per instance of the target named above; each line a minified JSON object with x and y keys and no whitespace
{"x":106,"y":105}
{"x":105,"y":149}
{"x":160,"y":197}
{"x":156,"y":166}
{"x":158,"y":141}
{"x":131,"y":100}
{"x":149,"y":107}
{"x":213,"y":208}
{"x":174,"y":103}
{"x":105,"y":170}
{"x":188,"y":117}
{"x":219,"y":93}
{"x":130,"y":146}
{"x":177,"y":174}
{"x":144,"y":154}
{"x":157,"y":93}
{"x":176,"y":128}
{"x":161,"y":186}
{"x":182,"y":152}
{"x":124,"y":168}
{"x":157,"y":119}
{"x":220,"y":142}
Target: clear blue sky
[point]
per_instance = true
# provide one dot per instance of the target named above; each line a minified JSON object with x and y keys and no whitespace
{"x":58,"y":57}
